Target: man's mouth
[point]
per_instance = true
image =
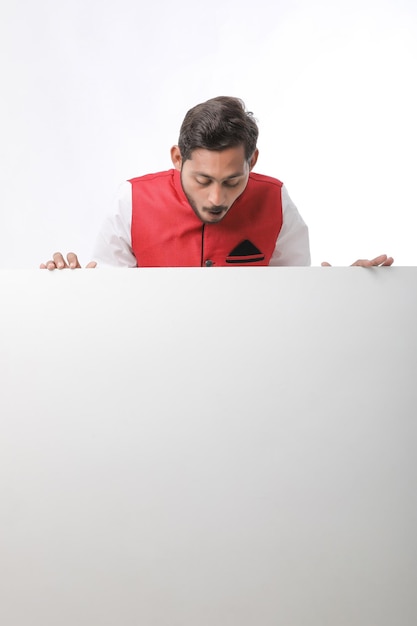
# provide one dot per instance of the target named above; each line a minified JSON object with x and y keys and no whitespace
{"x":217,"y":210}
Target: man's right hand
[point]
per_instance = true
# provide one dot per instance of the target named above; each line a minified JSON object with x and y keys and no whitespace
{"x":58,"y":262}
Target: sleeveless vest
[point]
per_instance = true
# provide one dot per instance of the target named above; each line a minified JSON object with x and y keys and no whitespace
{"x":167,"y":233}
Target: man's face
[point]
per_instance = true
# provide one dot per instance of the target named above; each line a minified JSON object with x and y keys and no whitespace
{"x":213,"y":180}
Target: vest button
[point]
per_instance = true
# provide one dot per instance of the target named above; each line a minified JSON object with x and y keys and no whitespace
{"x":208,"y":263}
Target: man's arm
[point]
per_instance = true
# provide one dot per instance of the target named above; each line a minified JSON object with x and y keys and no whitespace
{"x":113,"y":245}
{"x":293,"y":246}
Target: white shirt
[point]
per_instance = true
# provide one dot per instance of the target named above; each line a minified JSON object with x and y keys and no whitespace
{"x":114,"y":242}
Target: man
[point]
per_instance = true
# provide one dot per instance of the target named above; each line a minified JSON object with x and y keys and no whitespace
{"x":211,"y":209}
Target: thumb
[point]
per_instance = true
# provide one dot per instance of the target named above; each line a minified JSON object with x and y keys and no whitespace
{"x":325,"y":264}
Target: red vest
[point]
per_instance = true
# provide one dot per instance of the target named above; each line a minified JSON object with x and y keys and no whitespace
{"x":167,"y":233}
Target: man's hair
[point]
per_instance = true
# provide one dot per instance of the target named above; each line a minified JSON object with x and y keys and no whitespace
{"x":217,"y":124}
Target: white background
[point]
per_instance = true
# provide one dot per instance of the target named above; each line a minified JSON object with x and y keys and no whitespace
{"x":94,"y":93}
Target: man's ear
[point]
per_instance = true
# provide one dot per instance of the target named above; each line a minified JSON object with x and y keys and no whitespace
{"x":176,"y":157}
{"x":253,"y":159}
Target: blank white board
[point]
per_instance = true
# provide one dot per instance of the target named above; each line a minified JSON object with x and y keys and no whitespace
{"x":229,"y":447}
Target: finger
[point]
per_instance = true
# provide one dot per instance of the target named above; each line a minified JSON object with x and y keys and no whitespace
{"x":73,"y":260}
{"x":325,"y":264}
{"x":388,"y":262}
{"x":49,"y":265}
{"x":92,"y":264}
{"x":362,"y":263}
{"x":380,"y":260}
{"x":58,"y":261}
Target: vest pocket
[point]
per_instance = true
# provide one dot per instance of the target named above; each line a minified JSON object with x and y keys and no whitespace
{"x":245,"y":252}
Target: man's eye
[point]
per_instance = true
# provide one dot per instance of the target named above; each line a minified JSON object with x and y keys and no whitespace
{"x":231,"y":185}
{"x":203,"y":183}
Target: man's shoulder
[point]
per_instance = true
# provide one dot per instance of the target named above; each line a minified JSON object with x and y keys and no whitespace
{"x":266,"y":180}
{"x":156,"y":177}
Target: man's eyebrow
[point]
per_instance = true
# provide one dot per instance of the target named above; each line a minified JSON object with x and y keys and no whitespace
{"x":236,"y":175}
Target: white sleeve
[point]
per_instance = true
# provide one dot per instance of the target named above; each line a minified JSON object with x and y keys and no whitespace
{"x":113,"y":245}
{"x":292,"y":247}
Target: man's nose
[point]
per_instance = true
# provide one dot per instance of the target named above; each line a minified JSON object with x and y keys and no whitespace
{"x":216,"y":196}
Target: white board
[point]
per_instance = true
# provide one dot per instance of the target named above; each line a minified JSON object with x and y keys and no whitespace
{"x":208,"y":446}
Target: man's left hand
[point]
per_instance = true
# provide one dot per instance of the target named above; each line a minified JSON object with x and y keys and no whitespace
{"x":379,"y":261}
